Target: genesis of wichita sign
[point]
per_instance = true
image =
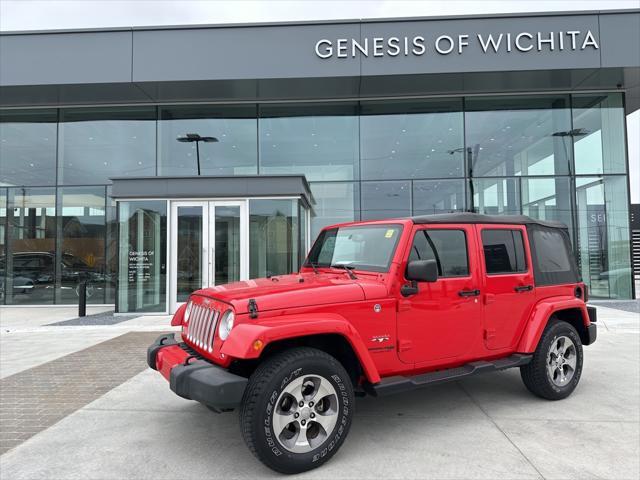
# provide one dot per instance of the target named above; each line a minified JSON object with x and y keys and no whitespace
{"x":573,"y":40}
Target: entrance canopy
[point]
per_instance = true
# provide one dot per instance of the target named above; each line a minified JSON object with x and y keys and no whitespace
{"x":213,"y":187}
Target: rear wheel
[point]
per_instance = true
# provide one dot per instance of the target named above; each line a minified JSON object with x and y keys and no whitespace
{"x":297,"y":410}
{"x":556,"y":367}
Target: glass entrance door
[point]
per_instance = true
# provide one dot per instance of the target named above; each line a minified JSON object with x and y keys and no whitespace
{"x":209,"y":246}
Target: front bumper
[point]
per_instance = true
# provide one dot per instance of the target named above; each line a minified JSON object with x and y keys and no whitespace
{"x":193,"y":378}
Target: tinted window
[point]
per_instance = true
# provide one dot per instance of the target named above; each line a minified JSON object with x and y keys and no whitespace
{"x":550,"y":254}
{"x":503,"y":251}
{"x":447,"y":247}
{"x":364,"y":248}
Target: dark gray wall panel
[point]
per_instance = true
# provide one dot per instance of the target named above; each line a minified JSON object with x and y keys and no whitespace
{"x":65,"y":58}
{"x":80,"y":94}
{"x":238,"y":53}
{"x":620,"y":35}
{"x":473,"y":58}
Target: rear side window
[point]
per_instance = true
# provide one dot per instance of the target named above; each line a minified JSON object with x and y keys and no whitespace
{"x":503,"y":251}
{"x":447,"y":247}
{"x":553,"y":262}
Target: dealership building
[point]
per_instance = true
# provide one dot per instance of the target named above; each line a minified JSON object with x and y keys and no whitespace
{"x":149,"y":162}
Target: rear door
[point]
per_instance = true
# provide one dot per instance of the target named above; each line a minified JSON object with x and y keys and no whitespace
{"x":508,"y":283}
{"x":444,"y":318}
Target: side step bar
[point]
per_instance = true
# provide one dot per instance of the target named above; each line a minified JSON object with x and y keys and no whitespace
{"x":399,"y":384}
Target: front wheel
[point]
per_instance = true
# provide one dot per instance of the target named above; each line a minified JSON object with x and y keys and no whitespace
{"x":556,"y":366}
{"x":297,"y":410}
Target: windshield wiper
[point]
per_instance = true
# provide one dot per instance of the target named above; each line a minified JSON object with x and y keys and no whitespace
{"x":314,"y":266}
{"x":346,"y":268}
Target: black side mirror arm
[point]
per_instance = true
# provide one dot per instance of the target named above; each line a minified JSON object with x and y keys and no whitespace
{"x":407,"y":290}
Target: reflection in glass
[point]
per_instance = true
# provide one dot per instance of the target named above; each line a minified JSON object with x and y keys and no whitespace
{"x":547,"y":199}
{"x":603,"y":235}
{"x":273,"y":237}
{"x":382,"y":200}
{"x":599,"y":143}
{"x":190,"y":250}
{"x":28,"y":147}
{"x":227,"y":248}
{"x":81,"y":252}
{"x":30,"y":259}
{"x":494,"y":196}
{"x":235,"y":152}
{"x":143,"y":252}
{"x":412,"y":139}
{"x":99,"y":143}
{"x":316,"y":140}
{"x":335,"y":203}
{"x":304,"y":249}
{"x":438,"y":196}
{"x":518,"y":135}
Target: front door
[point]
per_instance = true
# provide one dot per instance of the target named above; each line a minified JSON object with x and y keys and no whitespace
{"x":444,"y":318}
{"x":209,"y":246}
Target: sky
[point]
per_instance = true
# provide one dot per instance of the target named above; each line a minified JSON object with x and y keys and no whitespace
{"x":67,"y":14}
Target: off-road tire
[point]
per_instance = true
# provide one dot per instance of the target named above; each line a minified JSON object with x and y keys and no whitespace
{"x":265,"y":387}
{"x":535,"y":374}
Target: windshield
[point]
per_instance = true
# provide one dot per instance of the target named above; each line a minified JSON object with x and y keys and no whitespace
{"x":367,"y":247}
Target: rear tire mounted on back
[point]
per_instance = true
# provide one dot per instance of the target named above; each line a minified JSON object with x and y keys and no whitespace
{"x":297,"y":410}
{"x":556,"y":366}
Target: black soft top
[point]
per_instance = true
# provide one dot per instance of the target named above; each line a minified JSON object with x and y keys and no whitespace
{"x":468,"y":217}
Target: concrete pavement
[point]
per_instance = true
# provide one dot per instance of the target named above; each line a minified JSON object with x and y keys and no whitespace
{"x":484,"y":427}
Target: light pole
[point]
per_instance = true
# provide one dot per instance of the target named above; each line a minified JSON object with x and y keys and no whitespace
{"x":194,"y":137}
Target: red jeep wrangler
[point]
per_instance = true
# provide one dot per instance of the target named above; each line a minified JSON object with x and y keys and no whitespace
{"x":377,"y":308}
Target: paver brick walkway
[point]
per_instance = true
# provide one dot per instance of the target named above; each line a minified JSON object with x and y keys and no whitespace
{"x":35,"y":399}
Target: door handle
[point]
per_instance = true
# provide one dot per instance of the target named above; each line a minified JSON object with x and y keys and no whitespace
{"x":523,"y":288}
{"x":469,"y":293}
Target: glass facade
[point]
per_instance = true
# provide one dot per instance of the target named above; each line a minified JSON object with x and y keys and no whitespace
{"x":557,"y":157}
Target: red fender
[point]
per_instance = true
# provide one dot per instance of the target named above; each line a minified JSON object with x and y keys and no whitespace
{"x":541,"y":313}
{"x":242,"y":337}
{"x":178,"y":317}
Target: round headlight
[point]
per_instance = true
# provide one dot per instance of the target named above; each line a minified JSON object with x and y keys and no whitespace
{"x":187,"y":311}
{"x":226,"y":324}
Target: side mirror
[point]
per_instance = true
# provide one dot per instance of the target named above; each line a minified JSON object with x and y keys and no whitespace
{"x":422,"y":271}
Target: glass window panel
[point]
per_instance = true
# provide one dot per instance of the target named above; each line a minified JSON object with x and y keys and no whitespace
{"x":382,"y":200}
{"x":518,"y":135}
{"x":494,"y":196}
{"x":227,"y":267}
{"x":30,"y":260}
{"x":99,"y":143}
{"x":603,"y":235}
{"x":28,"y":147}
{"x":447,"y":247}
{"x":335,"y":203}
{"x":142,"y":272}
{"x":547,"y":199}
{"x":438,"y":196}
{"x":234,"y":153}
{"x":319,"y":141}
{"x":82,"y":235}
{"x":273,"y":237}
{"x":503,"y":251}
{"x":3,"y":251}
{"x":111,"y":262}
{"x":598,"y":133}
{"x":304,"y":212}
{"x":189,"y":251}
{"x":412,"y":139}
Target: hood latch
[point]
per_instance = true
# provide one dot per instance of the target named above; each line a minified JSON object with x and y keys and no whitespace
{"x":253,"y":308}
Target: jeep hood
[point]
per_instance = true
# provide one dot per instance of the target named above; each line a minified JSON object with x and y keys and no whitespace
{"x":296,"y":290}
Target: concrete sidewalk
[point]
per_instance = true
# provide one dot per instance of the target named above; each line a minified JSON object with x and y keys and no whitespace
{"x":484,"y":427}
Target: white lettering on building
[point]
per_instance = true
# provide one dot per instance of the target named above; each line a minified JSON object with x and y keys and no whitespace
{"x":486,"y":43}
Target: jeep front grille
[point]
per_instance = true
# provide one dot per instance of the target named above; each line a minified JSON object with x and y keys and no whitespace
{"x":202,"y":326}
